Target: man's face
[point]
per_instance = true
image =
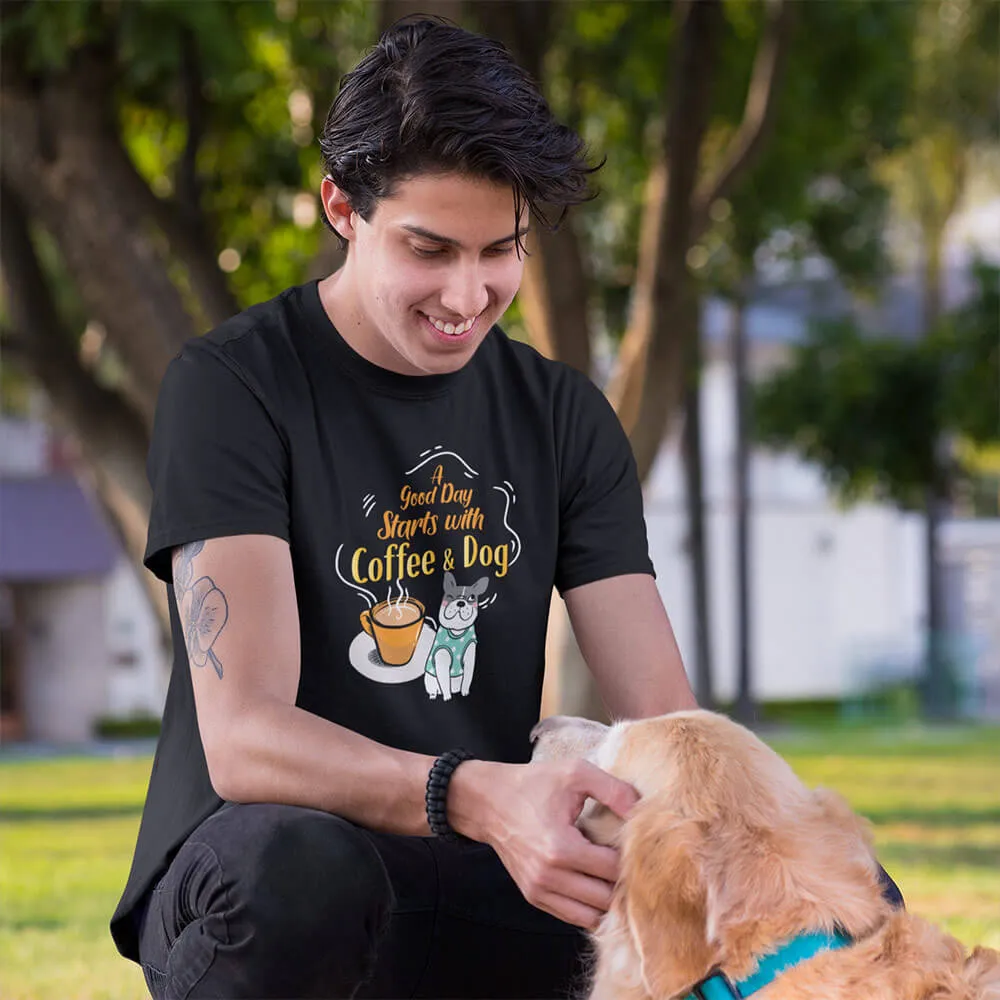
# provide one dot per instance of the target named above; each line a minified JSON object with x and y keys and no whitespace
{"x":431,"y":272}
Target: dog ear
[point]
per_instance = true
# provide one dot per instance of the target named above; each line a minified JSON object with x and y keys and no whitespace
{"x":663,"y":896}
{"x":810,"y":864}
{"x":745,"y":879}
{"x":479,"y":587}
{"x":449,"y":583}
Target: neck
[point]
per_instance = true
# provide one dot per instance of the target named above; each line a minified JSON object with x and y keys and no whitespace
{"x":341,"y":305}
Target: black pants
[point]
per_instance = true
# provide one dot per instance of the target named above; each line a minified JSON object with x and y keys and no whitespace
{"x":281,"y":902}
{"x":269,"y":901}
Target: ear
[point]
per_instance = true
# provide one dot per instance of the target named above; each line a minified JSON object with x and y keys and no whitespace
{"x":815,"y":866}
{"x":746,"y":880}
{"x":338,"y":209}
{"x":449,"y":583}
{"x":479,"y":587}
{"x":663,"y":893}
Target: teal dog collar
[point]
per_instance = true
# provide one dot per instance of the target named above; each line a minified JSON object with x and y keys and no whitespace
{"x":718,"y":986}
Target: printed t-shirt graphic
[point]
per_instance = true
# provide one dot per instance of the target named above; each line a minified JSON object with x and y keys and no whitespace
{"x":444,"y":532}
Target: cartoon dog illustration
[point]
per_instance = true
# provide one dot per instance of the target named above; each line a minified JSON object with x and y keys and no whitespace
{"x":451,"y":661}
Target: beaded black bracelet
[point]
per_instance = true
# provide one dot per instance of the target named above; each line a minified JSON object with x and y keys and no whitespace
{"x":437,"y":793}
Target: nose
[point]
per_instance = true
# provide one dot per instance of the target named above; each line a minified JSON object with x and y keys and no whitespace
{"x":465,"y":293}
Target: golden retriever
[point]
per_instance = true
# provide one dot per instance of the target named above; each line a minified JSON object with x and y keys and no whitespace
{"x":727,"y":855}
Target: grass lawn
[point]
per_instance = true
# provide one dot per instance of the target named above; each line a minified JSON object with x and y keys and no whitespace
{"x":67,"y":828}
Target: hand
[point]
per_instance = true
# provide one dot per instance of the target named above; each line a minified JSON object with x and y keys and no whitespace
{"x":527,"y":812}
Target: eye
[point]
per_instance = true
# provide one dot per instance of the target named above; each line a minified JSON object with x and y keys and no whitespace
{"x":504,"y":251}
{"x":427,"y":252}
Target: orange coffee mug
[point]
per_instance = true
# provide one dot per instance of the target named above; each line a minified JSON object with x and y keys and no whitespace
{"x":395,"y":626}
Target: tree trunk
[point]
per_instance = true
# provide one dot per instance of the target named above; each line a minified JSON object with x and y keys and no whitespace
{"x":112,"y":435}
{"x":938,"y":693}
{"x":648,"y":386}
{"x":555,"y":292}
{"x":554,"y":297}
{"x":697,"y":548}
{"x":745,"y":708}
{"x":77,"y":181}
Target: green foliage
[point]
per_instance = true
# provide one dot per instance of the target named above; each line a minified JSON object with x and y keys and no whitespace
{"x":134,"y":727}
{"x":837,"y":111}
{"x":871,"y":411}
{"x":259,"y":76}
{"x":968,"y":342}
{"x":863,"y":409}
{"x":606,"y":73}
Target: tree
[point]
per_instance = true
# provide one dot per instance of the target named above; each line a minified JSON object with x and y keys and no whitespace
{"x":904,"y":395}
{"x":872,"y":411}
{"x":139,"y":142}
{"x":814,"y":187}
{"x":607,"y":76}
{"x":950,"y":112}
{"x":158,"y":156}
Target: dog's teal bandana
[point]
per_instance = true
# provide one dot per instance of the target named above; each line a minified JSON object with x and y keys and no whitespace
{"x":718,"y":986}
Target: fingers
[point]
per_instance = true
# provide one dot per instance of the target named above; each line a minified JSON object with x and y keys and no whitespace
{"x":571,"y":911}
{"x":618,"y":796}
{"x":593,"y":859}
{"x":594,"y":893}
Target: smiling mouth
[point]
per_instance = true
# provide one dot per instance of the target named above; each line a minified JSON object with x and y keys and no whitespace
{"x":451,"y":329}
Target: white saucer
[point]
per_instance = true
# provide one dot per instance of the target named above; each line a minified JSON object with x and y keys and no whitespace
{"x":365,"y":659}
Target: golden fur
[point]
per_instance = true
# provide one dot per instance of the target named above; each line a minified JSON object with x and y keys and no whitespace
{"x":728,"y":854}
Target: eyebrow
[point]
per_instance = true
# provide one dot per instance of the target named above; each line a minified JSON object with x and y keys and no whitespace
{"x":451,"y":242}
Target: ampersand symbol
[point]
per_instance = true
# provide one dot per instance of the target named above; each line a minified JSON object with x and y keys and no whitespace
{"x":449,"y":559}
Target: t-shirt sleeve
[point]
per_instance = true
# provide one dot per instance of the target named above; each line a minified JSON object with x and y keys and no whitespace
{"x":602,"y":531}
{"x":218,"y":464}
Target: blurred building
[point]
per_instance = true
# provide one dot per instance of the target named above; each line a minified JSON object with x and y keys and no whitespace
{"x":78,"y":640}
{"x":837,"y":594}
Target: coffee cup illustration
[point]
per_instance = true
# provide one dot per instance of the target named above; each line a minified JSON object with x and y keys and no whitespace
{"x":395,"y":626}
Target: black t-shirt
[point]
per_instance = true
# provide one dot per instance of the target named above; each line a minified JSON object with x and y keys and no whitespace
{"x":428,"y":519}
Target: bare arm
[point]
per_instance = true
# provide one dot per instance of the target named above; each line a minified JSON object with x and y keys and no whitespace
{"x":236,"y":598}
{"x":626,"y":639}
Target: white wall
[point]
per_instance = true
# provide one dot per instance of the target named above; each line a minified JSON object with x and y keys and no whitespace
{"x":971,"y":550}
{"x":23,"y":447}
{"x":137,"y":668}
{"x":63,"y":671}
{"x":832,"y":591}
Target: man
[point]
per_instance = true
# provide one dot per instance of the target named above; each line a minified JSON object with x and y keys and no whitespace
{"x":363,"y":496}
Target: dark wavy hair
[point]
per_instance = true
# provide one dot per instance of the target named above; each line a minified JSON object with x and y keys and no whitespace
{"x":431,"y":97}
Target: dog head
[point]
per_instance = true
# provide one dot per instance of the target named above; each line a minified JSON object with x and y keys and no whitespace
{"x":725,"y":854}
{"x":460,"y":605}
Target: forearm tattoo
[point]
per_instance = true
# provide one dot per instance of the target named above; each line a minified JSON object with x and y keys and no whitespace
{"x":202,"y":607}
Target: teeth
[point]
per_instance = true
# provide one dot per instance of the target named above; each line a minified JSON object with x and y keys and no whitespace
{"x":450,"y":328}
